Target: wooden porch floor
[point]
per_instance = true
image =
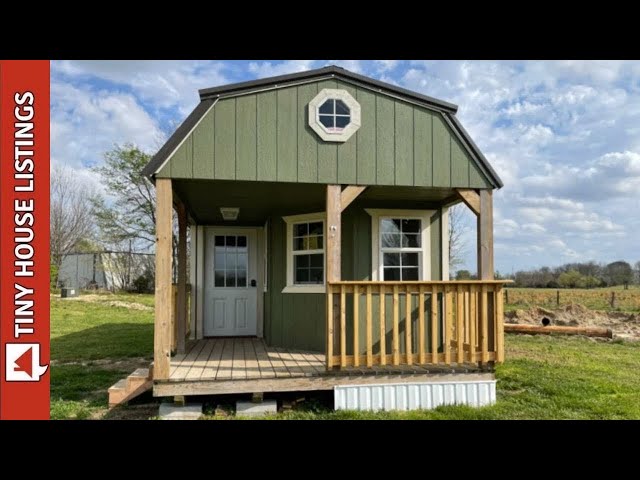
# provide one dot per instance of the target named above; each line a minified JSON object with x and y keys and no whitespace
{"x":247,"y":365}
{"x":241,"y":359}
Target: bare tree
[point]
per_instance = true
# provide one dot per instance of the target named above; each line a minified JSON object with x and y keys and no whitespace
{"x":71,"y":219}
{"x":458,"y":228}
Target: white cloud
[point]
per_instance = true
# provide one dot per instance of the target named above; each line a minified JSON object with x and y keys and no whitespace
{"x":85,"y":124}
{"x":563,"y":135}
{"x":271,"y":69}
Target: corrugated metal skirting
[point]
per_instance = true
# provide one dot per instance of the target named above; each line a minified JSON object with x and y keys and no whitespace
{"x":415,"y":396}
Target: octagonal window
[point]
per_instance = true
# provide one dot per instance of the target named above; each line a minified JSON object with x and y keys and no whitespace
{"x":334,"y":114}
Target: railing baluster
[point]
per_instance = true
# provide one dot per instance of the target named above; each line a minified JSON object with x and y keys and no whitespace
{"x":369,"y":329}
{"x":408,"y":347}
{"x":329,"y":326}
{"x":468,"y":323}
{"x":396,"y":333}
{"x":383,"y":326}
{"x":446,"y":316}
{"x":485,"y":327}
{"x":434,"y":324}
{"x":460,"y":324}
{"x":421,"y":347}
{"x":499,"y":323}
{"x":473,"y":320}
{"x":356,"y":326}
{"x":343,"y":326}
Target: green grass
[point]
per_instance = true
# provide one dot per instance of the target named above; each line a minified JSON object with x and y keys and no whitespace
{"x":544,"y":378}
{"x":95,"y":344}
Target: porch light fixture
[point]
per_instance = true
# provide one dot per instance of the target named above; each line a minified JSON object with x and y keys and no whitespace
{"x":229,"y":213}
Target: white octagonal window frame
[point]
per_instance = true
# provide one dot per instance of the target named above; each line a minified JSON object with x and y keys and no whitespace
{"x":334,"y":135}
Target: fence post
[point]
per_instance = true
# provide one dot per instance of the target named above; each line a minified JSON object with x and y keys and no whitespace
{"x":506,"y":295}
{"x":557,"y":298}
{"x":613,"y":300}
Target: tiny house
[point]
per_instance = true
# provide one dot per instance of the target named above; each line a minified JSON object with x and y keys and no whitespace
{"x":317,"y":207}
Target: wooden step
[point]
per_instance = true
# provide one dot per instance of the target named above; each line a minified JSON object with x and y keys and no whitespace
{"x":137,"y":379}
{"x":118,"y":393}
{"x":128,"y":388}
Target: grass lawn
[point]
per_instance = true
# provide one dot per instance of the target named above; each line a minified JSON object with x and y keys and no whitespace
{"x":94,"y":344}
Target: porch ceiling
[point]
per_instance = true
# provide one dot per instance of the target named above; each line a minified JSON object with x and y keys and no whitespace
{"x":257,"y":200}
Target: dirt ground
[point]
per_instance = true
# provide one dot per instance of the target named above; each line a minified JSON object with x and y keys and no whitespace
{"x":624,"y":325}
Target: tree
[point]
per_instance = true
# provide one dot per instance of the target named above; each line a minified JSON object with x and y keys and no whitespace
{"x":570,"y":279}
{"x":130,"y":213}
{"x":619,"y":273}
{"x":463,"y":275}
{"x":70,"y":218}
{"x":458,"y":227}
{"x":637,"y":265}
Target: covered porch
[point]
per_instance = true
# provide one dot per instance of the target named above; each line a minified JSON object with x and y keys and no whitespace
{"x":368,"y":329}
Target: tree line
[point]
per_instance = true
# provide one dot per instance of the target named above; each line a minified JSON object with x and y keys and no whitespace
{"x":572,"y":275}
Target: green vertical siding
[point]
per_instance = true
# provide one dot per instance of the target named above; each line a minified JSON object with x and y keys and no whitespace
{"x":422,"y":148}
{"x":404,"y":143}
{"x":203,"y":148}
{"x":459,"y":164}
{"x":366,"y":139}
{"x":225,"y":140}
{"x":298,"y":320}
{"x":441,"y":153}
{"x":287,"y":135}
{"x":181,"y":168}
{"x":307,"y":144}
{"x":385,"y":144}
{"x":246,"y":138}
{"x":265,"y":136}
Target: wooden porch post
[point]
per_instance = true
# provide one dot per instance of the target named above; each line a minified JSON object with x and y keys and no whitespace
{"x":163,"y":300}
{"x":181,"y":314}
{"x":485,"y":266}
{"x":485,"y":236}
{"x":333,"y":262}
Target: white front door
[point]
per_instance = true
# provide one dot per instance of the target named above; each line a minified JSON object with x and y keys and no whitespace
{"x":231,"y":292}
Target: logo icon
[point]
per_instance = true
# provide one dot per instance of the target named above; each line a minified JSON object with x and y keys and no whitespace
{"x":23,"y":362}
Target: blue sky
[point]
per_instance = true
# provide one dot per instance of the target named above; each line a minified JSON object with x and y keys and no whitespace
{"x":563,"y":135}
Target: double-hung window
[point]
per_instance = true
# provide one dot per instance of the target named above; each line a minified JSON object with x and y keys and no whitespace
{"x":401,"y":248}
{"x":305,"y":253}
{"x":400,"y":244}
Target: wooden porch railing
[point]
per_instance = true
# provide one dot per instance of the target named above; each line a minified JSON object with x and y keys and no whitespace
{"x":405,"y":323}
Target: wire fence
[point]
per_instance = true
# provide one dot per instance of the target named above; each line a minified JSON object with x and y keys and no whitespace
{"x":595,"y":299}
{"x":108,"y":270}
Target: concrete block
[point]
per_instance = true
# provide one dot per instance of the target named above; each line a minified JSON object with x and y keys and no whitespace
{"x":251,"y":409}
{"x":171,"y":411}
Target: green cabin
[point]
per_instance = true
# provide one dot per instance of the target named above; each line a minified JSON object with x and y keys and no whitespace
{"x":317,"y":209}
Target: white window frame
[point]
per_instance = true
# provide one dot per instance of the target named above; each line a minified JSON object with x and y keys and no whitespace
{"x":377,"y":215}
{"x":314,"y":115}
{"x":291,"y":220}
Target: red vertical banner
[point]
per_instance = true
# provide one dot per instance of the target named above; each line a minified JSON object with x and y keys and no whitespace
{"x":24,"y":239}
